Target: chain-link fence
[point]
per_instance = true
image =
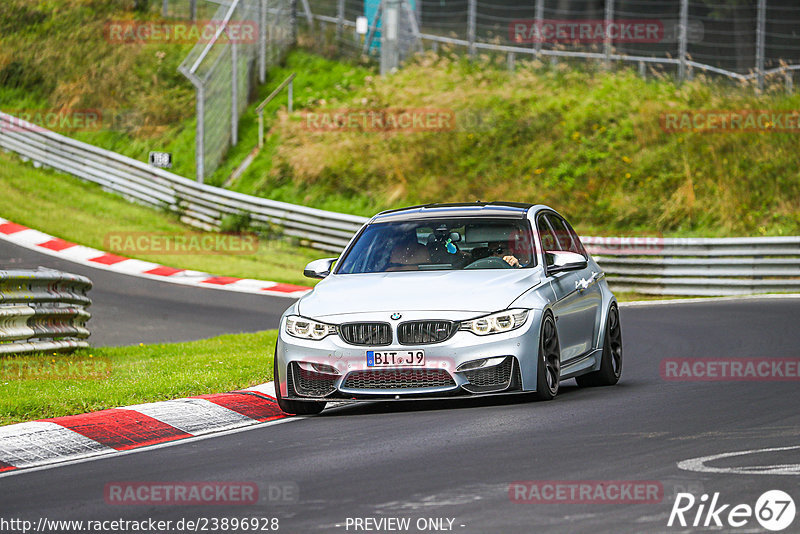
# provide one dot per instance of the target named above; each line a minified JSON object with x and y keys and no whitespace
{"x":741,"y":39}
{"x":249,"y":37}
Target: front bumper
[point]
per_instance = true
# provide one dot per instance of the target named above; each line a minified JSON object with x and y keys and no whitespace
{"x":331,"y":369}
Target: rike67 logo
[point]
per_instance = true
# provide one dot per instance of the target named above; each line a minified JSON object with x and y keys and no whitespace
{"x":774,"y":510}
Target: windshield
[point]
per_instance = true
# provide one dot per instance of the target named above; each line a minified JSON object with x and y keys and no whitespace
{"x":441,"y":244}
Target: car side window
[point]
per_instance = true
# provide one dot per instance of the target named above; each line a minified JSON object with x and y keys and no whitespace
{"x":548,"y":238}
{"x":565,"y":238}
{"x":577,"y":240}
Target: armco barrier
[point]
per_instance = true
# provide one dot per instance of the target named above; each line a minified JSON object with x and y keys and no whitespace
{"x":43,"y":310}
{"x":699,"y":266}
{"x":199,"y":205}
{"x":651,"y":265}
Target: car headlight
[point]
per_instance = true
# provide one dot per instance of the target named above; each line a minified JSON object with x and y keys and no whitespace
{"x":496,"y":323}
{"x":305,"y":328}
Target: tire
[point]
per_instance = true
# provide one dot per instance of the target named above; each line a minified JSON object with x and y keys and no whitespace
{"x":293,"y":406}
{"x":611,"y":361}
{"x":548,"y":369}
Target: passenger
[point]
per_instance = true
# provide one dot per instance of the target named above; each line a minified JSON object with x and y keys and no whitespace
{"x":408,"y":254}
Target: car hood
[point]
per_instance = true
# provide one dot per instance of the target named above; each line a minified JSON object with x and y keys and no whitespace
{"x":477,"y":291}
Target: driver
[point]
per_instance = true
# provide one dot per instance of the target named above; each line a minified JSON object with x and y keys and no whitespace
{"x":500,"y":249}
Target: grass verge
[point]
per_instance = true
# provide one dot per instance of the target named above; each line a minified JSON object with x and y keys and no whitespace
{"x":138,"y":374}
{"x":586,"y":141}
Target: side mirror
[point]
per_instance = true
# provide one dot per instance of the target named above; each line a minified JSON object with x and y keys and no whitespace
{"x":562,"y":260}
{"x":319,"y":268}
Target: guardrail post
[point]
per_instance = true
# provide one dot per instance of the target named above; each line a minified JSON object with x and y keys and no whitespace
{"x":609,"y":20}
{"x":291,"y":95}
{"x":472,"y":10}
{"x":787,"y":76}
{"x":193,"y":9}
{"x":165,"y":9}
{"x":682,"y":38}
{"x":510,"y":61}
{"x":642,"y":70}
{"x":760,"y":42}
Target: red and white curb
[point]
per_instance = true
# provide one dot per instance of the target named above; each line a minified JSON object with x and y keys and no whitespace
{"x":74,"y":437}
{"x":47,"y":244}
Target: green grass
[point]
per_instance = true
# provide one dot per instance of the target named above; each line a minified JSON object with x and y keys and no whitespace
{"x":139,"y":374}
{"x":83,"y":213}
{"x":585,"y":141}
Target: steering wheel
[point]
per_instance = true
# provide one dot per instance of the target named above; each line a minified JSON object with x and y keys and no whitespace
{"x":491,"y":262}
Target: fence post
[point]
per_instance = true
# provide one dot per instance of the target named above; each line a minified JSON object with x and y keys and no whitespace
{"x":200,"y":142}
{"x":760,"y":38}
{"x":234,"y":93}
{"x":193,"y":9}
{"x":293,"y":21}
{"x":262,"y":41}
{"x":339,"y":22}
{"x":164,"y":9}
{"x":389,"y":52}
{"x":607,"y":37}
{"x":309,"y":16}
{"x":787,"y":76}
{"x":291,"y":95}
{"x":471,"y":16}
{"x":682,"y":38}
{"x":538,"y":22}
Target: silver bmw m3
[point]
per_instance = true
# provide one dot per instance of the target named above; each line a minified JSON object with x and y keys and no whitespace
{"x":448,"y":300}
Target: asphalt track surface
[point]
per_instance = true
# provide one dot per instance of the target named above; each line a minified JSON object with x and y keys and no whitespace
{"x":456,"y":459}
{"x":127,"y":310}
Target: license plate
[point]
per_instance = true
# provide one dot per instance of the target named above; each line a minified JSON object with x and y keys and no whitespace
{"x":387,"y":358}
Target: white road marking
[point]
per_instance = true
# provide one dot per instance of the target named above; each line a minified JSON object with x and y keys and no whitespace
{"x":699,"y":464}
